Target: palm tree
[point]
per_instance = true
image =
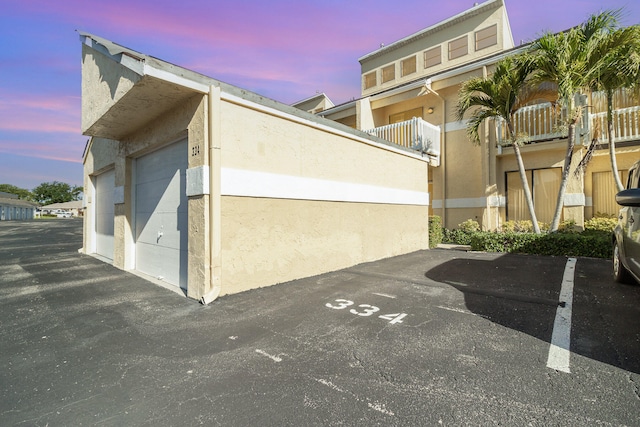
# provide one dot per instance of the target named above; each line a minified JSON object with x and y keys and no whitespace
{"x":499,"y":96}
{"x":620,"y":69}
{"x":571,"y":60}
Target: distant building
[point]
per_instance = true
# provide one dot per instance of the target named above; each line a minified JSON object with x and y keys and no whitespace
{"x":12,"y":208}
{"x":74,"y":207}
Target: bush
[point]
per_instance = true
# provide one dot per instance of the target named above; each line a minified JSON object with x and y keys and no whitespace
{"x":435,"y":231}
{"x":600,"y":224}
{"x":558,"y":244}
{"x":457,"y":236}
{"x":523,"y":226}
{"x":469,"y":226}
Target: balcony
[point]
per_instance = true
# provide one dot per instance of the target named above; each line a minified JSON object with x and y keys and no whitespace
{"x":543,"y":122}
{"x":415,"y":134}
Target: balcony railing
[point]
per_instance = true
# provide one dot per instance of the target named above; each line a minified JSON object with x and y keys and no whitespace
{"x":415,"y":134}
{"x":542,"y":122}
{"x":626,"y":124}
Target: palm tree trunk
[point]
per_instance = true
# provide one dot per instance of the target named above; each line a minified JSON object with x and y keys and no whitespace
{"x":555,"y":222}
{"x":525,"y":185}
{"x":612,"y":143}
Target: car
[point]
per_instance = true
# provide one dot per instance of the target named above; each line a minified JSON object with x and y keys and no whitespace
{"x":64,"y":215}
{"x":626,"y":235}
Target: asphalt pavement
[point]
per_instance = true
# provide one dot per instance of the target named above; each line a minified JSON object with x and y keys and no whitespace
{"x":439,"y":337}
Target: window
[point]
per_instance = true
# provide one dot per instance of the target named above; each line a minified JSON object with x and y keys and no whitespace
{"x":388,"y":73}
{"x":486,"y":37}
{"x":458,"y":47}
{"x":433,"y":57}
{"x":408,"y":66}
{"x":370,"y":80}
{"x":604,"y":192}
{"x":543,"y":184}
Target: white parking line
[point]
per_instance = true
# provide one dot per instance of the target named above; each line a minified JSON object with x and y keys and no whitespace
{"x":559,"y":351}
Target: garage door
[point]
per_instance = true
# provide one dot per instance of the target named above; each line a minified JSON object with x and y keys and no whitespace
{"x":104,"y":183}
{"x":161,"y":214}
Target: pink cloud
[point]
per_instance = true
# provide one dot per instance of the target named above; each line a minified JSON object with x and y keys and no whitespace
{"x":30,"y":112}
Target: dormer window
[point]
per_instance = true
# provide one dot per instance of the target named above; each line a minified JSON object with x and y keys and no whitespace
{"x":408,"y":66}
{"x":486,"y":37}
{"x":458,"y":47}
{"x":388,"y":73}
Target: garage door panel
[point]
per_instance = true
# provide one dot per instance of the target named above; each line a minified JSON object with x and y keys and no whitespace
{"x":162,"y":214}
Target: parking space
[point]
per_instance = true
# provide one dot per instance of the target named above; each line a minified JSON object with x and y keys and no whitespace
{"x":430,"y":338}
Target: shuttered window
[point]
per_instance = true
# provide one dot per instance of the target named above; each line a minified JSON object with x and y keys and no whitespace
{"x":458,"y":47}
{"x":546,"y":183}
{"x":388,"y":73}
{"x":433,"y":57}
{"x":408,"y":66}
{"x":370,"y":80}
{"x":486,"y":37}
{"x":543,"y":184}
{"x":604,"y":192}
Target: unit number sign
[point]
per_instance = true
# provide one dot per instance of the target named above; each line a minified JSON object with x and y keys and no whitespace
{"x":365,"y":310}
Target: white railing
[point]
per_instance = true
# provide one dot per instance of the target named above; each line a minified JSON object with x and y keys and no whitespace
{"x":626,"y":124}
{"x":415,"y":134}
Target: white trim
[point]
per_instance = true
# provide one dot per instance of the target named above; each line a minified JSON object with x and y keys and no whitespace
{"x":173,"y":78}
{"x":478,"y":202}
{"x":588,"y":201}
{"x":246,"y":183}
{"x":454,"y":126}
{"x":574,"y":199}
{"x":197,"y":181}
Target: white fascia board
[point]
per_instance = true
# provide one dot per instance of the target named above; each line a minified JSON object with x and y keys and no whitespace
{"x":173,"y":78}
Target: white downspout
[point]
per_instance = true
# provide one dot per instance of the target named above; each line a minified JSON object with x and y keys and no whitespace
{"x":214,"y":140}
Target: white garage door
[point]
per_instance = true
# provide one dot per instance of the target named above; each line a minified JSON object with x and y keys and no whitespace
{"x":104,"y":183}
{"x":161,"y":214}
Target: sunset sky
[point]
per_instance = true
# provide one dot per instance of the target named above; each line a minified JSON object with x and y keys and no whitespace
{"x":284,"y":49}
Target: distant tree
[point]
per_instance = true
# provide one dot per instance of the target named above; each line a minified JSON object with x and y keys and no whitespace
{"x":56,"y":192}
{"x":21,"y":192}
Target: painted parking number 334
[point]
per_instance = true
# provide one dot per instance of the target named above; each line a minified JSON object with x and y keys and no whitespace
{"x":365,"y":310}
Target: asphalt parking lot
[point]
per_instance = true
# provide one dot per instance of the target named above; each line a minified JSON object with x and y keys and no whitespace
{"x":435,"y":337}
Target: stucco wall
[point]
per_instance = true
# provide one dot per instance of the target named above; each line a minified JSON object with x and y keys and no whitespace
{"x":271,"y":235}
{"x":268,"y":241}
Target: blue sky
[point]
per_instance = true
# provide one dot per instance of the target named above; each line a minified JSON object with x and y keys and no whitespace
{"x":283,"y":49}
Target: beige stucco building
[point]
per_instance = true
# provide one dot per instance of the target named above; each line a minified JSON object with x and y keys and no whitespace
{"x":208,"y":188}
{"x":419,"y":77}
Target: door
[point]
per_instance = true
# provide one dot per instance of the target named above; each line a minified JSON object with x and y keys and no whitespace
{"x":104,"y":213}
{"x":161,"y":215}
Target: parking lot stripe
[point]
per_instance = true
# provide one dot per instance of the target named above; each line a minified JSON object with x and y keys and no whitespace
{"x":559,"y":351}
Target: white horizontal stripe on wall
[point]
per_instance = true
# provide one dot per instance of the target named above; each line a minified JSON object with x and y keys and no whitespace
{"x":574,"y":199}
{"x":477,"y":202}
{"x":241,"y":182}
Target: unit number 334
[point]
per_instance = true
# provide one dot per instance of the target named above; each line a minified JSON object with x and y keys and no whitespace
{"x":365,"y":310}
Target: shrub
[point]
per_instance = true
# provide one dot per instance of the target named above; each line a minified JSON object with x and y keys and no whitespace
{"x":601,"y":224}
{"x":435,"y":231}
{"x":522,"y":226}
{"x":558,"y":244}
{"x":469,"y":226}
{"x":457,"y":236}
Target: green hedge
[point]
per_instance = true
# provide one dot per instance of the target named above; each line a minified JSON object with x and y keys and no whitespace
{"x":435,"y":231}
{"x":559,"y":244}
